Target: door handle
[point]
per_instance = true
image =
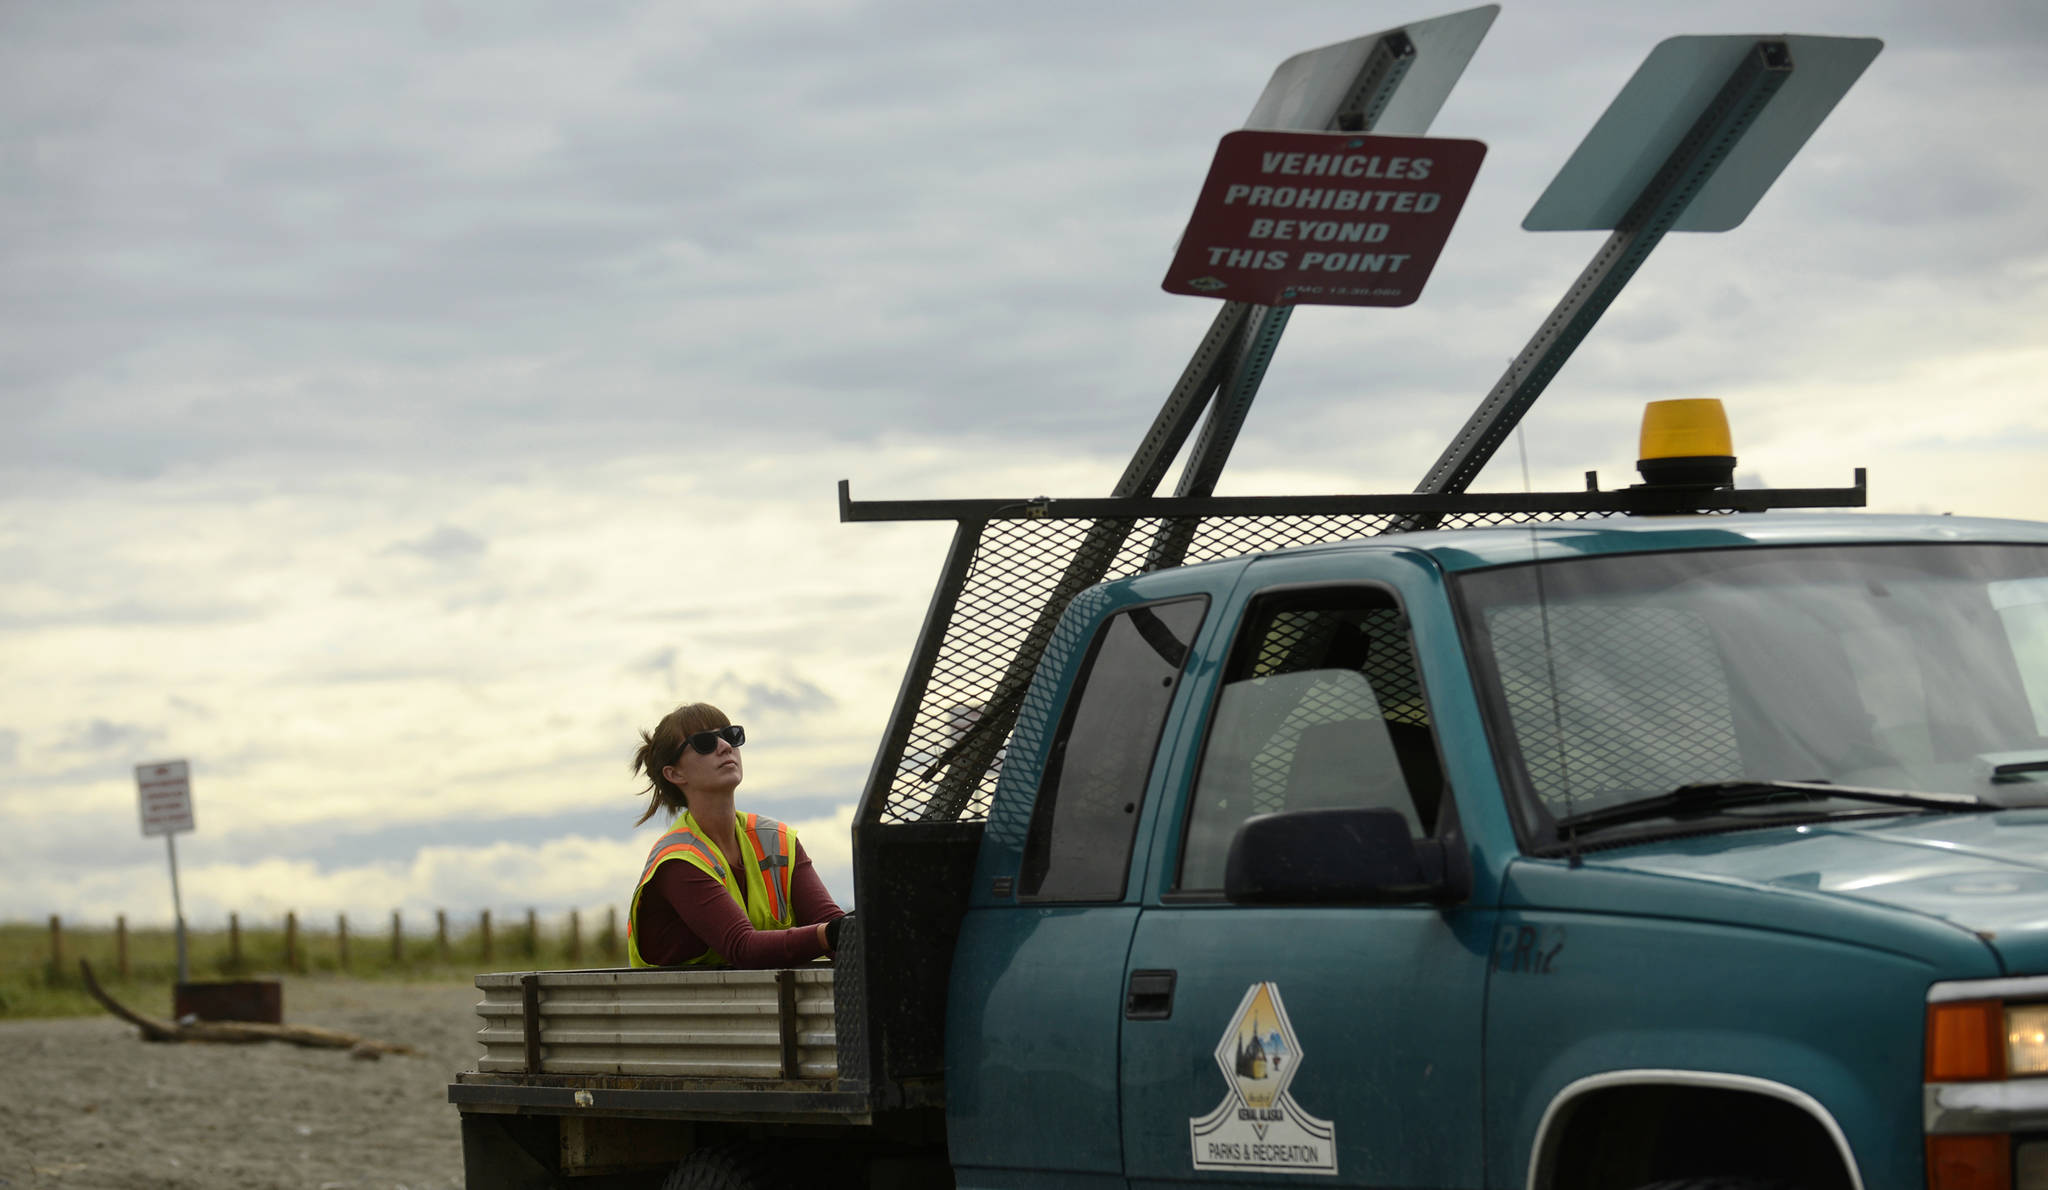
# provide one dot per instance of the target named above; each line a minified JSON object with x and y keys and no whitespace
{"x":1150,"y":996}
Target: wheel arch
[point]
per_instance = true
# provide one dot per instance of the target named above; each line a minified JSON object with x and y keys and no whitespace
{"x":1554,"y":1125}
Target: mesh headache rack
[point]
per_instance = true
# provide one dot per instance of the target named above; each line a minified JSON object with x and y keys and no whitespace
{"x":1016,"y":564}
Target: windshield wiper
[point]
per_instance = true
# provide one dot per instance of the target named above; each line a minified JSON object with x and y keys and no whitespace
{"x":1709,"y":796}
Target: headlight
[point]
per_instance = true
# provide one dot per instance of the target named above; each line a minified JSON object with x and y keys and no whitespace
{"x":2026,"y":1039}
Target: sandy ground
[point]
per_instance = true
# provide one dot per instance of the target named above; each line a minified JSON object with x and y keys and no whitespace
{"x":86,"y":1103}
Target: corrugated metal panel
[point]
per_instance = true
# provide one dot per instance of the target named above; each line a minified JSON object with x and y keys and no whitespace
{"x":680,"y":1023}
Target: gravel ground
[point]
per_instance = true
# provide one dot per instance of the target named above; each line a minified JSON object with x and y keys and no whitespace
{"x":87,"y":1103}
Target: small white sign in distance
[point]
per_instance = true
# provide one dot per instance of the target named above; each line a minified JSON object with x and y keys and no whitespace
{"x":165,"y":792}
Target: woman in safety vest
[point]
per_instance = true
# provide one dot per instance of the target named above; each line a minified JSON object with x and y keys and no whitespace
{"x":721,"y":888}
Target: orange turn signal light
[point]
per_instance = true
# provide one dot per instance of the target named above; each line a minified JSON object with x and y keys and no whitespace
{"x":1965,"y":1041}
{"x":1978,"y":1162}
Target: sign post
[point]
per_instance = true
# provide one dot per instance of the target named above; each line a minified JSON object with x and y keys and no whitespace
{"x":165,"y":794}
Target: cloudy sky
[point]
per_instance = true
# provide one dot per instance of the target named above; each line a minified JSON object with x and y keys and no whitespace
{"x":406,"y":403}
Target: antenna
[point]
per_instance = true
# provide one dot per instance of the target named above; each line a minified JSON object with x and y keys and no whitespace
{"x":1564,"y":773}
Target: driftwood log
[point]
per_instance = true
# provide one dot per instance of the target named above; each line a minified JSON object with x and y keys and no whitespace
{"x":238,"y":1032}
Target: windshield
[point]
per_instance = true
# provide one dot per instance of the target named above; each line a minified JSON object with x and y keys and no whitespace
{"x":1920,"y":667}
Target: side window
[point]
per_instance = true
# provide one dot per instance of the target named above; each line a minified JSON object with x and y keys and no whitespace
{"x":1321,"y":708}
{"x":1079,"y":848}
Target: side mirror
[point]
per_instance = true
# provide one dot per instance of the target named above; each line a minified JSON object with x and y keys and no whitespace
{"x":1341,"y":857}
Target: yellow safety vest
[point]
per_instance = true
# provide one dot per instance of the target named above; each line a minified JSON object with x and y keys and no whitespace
{"x":767,"y":850}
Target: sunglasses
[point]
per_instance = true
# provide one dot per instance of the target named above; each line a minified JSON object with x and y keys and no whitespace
{"x":706,"y":742}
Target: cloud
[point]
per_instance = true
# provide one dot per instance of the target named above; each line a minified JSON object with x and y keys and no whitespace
{"x":128,"y":611}
{"x":406,"y":407}
{"x":445,"y":544}
{"x":103,"y":736}
{"x":431,"y":258}
{"x":787,"y":695}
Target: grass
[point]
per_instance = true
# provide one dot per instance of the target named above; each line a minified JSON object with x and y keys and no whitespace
{"x":31,"y":985}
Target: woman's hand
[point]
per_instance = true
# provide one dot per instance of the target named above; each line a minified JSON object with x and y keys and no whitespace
{"x":824,"y":937}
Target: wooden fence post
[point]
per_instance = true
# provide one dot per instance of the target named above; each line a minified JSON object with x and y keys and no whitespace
{"x":341,"y":940}
{"x":291,"y":942}
{"x":575,"y":939}
{"x":483,"y":928}
{"x":397,"y":940}
{"x":235,"y":941}
{"x":441,"y":933}
{"x":56,"y":949}
{"x":121,"y":944}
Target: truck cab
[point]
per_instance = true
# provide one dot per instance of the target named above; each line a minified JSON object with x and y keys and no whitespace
{"x":1588,"y":855}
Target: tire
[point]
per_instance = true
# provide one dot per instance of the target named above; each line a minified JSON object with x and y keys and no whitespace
{"x":757,"y":1166}
{"x":731,"y":1167}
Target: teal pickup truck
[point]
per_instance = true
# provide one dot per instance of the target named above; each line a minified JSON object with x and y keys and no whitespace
{"x":1609,"y":851}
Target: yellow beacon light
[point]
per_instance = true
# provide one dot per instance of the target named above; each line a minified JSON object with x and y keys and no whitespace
{"x":1685,"y":442}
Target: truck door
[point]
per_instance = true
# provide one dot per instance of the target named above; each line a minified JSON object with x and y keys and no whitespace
{"x":1340,"y":1043}
{"x":1037,"y":987}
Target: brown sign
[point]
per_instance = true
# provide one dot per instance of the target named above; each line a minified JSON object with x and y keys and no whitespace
{"x":1323,"y":218}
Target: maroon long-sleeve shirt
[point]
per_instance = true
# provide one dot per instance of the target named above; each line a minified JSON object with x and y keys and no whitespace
{"x":685,"y":911}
